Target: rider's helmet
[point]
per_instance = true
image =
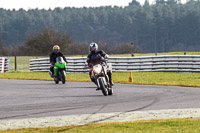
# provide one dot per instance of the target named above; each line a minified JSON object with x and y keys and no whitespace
{"x":93,"y":47}
{"x":56,"y":49}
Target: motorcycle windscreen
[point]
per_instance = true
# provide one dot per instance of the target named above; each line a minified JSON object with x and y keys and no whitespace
{"x":60,"y":60}
{"x":96,"y":59}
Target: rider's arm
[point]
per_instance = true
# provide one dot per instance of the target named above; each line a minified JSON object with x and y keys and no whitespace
{"x":89,"y":60}
{"x":51,"y":58}
{"x":63,"y":57}
{"x":103,"y":54}
{"x":106,"y":56}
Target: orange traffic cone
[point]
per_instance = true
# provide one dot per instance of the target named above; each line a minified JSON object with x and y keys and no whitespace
{"x":130,"y":77}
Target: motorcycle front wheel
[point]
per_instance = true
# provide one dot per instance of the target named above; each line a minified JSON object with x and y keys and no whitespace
{"x":63,"y":77}
{"x":103,"y":88}
{"x":56,"y":80}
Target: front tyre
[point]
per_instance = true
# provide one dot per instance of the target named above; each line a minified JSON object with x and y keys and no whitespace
{"x":56,"y":80}
{"x":63,"y":77}
{"x":102,"y":87}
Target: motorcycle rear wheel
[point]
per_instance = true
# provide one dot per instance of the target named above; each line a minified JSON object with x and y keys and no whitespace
{"x":110,"y":92}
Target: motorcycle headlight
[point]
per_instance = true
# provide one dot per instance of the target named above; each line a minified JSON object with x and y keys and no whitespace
{"x":97,"y":69}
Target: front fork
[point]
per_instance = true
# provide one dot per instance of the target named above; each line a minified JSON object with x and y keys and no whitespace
{"x":56,"y":70}
{"x":104,"y":80}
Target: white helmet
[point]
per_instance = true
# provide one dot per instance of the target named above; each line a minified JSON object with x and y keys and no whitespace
{"x":93,"y":47}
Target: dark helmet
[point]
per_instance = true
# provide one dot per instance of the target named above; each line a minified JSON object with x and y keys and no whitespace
{"x":56,"y":49}
{"x":93,"y":47}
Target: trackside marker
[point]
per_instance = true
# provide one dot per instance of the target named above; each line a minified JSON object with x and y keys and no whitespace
{"x":3,"y":65}
{"x":130,"y":79}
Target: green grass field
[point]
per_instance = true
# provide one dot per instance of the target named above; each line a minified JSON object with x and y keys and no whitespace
{"x":151,"y":78}
{"x":23,"y":61}
{"x":156,"y":126}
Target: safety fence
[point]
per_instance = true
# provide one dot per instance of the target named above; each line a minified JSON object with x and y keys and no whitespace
{"x":165,"y":63}
{"x":73,"y":65}
{"x":21,"y":63}
{"x":4,"y":64}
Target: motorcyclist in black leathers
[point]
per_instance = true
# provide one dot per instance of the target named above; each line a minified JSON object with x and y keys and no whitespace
{"x":56,"y":53}
{"x":94,"y":51}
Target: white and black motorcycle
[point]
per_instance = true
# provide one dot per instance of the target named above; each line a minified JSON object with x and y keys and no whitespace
{"x":101,"y":79}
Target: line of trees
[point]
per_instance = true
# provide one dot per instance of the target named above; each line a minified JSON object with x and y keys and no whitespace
{"x":164,"y":26}
{"x":41,"y":44}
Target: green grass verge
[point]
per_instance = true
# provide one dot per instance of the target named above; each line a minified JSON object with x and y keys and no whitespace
{"x":42,"y":76}
{"x":158,"y":126}
{"x":151,"y":78}
{"x":23,"y":61}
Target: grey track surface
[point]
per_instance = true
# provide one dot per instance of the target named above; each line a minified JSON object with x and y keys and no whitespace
{"x":33,"y":99}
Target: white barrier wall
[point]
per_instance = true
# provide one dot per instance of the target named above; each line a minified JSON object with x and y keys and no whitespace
{"x":73,"y":65}
{"x":4,"y":64}
{"x":165,"y":63}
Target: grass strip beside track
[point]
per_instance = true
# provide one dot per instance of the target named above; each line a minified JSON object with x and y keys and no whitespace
{"x":23,"y":61}
{"x":151,"y":78}
{"x":154,"y":126}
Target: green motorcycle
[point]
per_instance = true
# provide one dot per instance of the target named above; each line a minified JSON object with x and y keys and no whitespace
{"x":60,"y":70}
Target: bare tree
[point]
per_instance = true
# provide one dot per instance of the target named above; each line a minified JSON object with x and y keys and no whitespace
{"x":126,"y":48}
{"x":78,"y":48}
{"x":42,"y":43}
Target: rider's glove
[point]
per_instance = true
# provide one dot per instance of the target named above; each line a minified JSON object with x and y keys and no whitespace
{"x":90,"y":65}
{"x":52,"y":64}
{"x":106,"y":56}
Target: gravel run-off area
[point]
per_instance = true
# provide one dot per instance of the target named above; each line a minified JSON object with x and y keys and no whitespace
{"x":85,"y":119}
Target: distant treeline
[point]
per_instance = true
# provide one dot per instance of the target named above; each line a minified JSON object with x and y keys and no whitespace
{"x":41,"y":44}
{"x":164,"y":26}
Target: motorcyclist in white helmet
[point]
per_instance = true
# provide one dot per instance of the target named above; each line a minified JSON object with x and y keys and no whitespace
{"x":93,"y":49}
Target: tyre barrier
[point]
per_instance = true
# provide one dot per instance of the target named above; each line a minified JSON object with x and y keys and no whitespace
{"x":4,"y":64}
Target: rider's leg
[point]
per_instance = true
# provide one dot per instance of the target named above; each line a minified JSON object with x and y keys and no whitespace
{"x":51,"y":71}
{"x":110,"y":77}
{"x":92,"y":78}
{"x":55,"y":70}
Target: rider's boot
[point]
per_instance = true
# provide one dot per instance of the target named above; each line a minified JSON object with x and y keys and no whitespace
{"x":110,"y":78}
{"x":111,"y":83}
{"x":51,"y":74}
{"x":98,"y":88}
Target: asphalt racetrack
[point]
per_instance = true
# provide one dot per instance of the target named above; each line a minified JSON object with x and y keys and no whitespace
{"x":33,"y":99}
